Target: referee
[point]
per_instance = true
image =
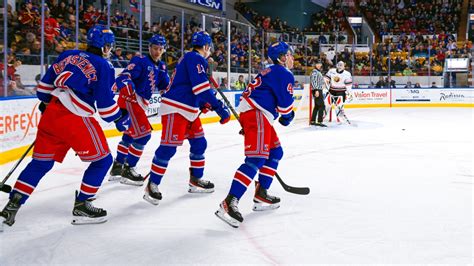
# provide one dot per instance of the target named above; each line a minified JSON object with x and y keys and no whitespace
{"x":317,"y":83}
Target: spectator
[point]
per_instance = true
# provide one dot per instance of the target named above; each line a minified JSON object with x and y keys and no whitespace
{"x":433,"y":85}
{"x":417,"y":85}
{"x":390,"y":83}
{"x":381,"y":83}
{"x":223,"y":85}
{"x":409,"y":85}
{"x":240,"y":83}
{"x":297,"y":85}
{"x":18,"y":88}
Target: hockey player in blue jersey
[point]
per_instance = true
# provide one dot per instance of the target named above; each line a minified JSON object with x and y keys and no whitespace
{"x":143,"y":76}
{"x":188,"y":92}
{"x":269,"y":95}
{"x":69,"y":92}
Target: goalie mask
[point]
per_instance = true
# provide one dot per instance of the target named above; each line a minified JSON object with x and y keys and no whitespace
{"x":340,"y":66}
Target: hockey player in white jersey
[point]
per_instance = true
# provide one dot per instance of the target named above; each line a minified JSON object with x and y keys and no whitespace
{"x":339,"y":82}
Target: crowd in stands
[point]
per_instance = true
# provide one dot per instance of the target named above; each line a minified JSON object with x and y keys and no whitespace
{"x":415,"y":50}
{"x":413,"y":16}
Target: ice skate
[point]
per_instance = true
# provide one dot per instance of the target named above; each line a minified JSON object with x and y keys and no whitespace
{"x":229,"y":212}
{"x":116,"y":171}
{"x":263,"y":201}
{"x":152,"y":193}
{"x":86,"y":213}
{"x":7,"y":216}
{"x":313,"y":123}
{"x":131,"y":177}
{"x":199,"y":185}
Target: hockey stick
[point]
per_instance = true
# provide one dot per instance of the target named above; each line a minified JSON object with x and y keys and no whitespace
{"x":152,"y":115}
{"x":287,"y":188}
{"x":6,"y":188}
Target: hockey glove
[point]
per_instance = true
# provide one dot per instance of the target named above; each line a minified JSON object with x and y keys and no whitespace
{"x":42,"y":107}
{"x":349,"y":96}
{"x":123,"y":122}
{"x":205,"y":108}
{"x":223,"y":112}
{"x":285,"y":120}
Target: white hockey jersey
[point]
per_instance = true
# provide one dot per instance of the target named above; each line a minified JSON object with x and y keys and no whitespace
{"x":339,"y":81}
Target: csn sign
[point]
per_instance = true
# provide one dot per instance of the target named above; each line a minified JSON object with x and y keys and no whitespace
{"x":214,"y":4}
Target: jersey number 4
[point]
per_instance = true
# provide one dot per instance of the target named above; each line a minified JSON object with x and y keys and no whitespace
{"x":60,"y":81}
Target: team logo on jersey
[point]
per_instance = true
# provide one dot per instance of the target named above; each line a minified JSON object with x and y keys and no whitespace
{"x":265,"y":147}
{"x":336,"y":79}
{"x":174,"y":137}
{"x":150,"y":68}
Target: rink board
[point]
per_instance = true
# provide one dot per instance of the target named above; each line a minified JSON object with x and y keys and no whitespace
{"x":20,"y":117}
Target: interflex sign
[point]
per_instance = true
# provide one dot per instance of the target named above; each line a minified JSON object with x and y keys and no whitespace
{"x":19,"y":121}
{"x":214,"y":4}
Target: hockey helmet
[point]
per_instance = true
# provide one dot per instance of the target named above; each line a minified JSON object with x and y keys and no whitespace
{"x":201,"y":38}
{"x":157,"y":39}
{"x":100,"y":36}
{"x":277,"y":49}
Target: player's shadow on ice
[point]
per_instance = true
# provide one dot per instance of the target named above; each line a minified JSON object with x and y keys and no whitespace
{"x":355,"y":125}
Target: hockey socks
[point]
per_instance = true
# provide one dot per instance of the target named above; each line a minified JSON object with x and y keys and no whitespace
{"x":196,"y":183}
{"x":30,"y":177}
{"x":122,"y":148}
{"x":93,"y":177}
{"x":242,"y":179}
{"x":136,"y":149}
{"x":160,"y":162}
{"x":267,"y":171}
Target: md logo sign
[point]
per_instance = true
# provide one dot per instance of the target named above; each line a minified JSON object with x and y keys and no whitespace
{"x":214,"y":4}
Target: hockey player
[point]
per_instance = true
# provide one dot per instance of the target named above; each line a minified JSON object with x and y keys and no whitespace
{"x":137,"y":82}
{"x":71,"y":88}
{"x":188,"y":92}
{"x":340,"y":88}
{"x":317,"y":86}
{"x":267,"y":96}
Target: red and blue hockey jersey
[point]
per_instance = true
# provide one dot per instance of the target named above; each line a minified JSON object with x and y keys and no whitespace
{"x":81,"y":80}
{"x":147,"y":77}
{"x":271,"y":92}
{"x":189,"y":88}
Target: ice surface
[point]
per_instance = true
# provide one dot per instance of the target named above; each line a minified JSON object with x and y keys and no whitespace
{"x":398,"y":188}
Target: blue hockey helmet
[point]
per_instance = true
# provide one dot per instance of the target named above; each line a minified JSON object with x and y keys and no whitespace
{"x":201,"y":38}
{"x":277,"y":49}
{"x":157,"y":39}
{"x":99,"y":36}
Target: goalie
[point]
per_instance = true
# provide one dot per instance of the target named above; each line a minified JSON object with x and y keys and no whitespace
{"x":340,"y":89}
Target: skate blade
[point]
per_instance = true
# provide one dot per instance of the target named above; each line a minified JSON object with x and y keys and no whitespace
{"x":114,"y":177}
{"x":2,"y":224}
{"x":80,"y":220}
{"x":151,"y":200}
{"x":259,"y":206}
{"x":127,"y":181}
{"x":226,"y":218}
{"x":194,"y":189}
